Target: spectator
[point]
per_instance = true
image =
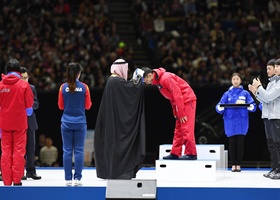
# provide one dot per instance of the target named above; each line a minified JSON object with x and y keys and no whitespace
{"x":48,"y":42}
{"x":159,"y":24}
{"x":39,"y":145}
{"x":189,"y":7}
{"x":49,"y":153}
{"x":274,"y":8}
{"x":265,"y":23}
{"x":62,"y":8}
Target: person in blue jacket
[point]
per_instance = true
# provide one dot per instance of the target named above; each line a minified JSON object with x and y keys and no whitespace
{"x":73,"y":99}
{"x":236,"y":119}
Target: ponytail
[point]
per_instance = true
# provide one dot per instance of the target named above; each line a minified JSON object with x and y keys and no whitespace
{"x":73,"y":70}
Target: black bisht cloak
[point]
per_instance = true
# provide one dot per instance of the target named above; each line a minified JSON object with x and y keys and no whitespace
{"x":119,"y":137}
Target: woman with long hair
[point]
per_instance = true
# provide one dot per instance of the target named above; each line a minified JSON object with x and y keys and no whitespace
{"x":73,"y":99}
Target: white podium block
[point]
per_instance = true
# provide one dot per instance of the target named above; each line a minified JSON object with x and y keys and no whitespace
{"x":131,"y":189}
{"x":204,"y":151}
{"x":226,"y":159}
{"x":188,"y":170}
{"x":212,"y":152}
{"x":165,"y":150}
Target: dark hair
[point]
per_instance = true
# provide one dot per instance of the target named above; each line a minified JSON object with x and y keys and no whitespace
{"x":271,"y":62}
{"x":147,"y":71}
{"x":23,"y":70}
{"x":236,"y":74}
{"x":13,"y":65}
{"x":277,"y":62}
{"x":73,"y":70}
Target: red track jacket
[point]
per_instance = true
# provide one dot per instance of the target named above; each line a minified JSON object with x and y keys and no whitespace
{"x":175,"y":89}
{"x":12,"y":103}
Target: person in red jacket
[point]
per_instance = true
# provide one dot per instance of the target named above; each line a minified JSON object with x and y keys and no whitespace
{"x":0,"y":154}
{"x":16,"y":100}
{"x":183,"y":102}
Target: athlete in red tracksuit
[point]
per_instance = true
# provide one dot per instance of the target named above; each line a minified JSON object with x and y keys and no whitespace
{"x":183,"y":101}
{"x":15,"y":98}
{"x":0,"y":153}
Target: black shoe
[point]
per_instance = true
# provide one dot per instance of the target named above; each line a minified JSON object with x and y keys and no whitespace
{"x":1,"y":178}
{"x":171,"y":157}
{"x":18,"y":184}
{"x":186,"y":157}
{"x":33,"y":176}
{"x":24,"y":178}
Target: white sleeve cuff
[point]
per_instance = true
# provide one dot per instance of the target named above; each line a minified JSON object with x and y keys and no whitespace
{"x":251,"y":107}
{"x":220,"y":108}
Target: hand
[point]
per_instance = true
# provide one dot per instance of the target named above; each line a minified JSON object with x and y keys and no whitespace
{"x":256,"y":82}
{"x":252,"y":88}
{"x":183,"y":119}
{"x":138,"y":76}
{"x":251,"y":107}
{"x":137,"y":73}
{"x":220,"y":108}
{"x":140,"y":72}
{"x":134,"y":76}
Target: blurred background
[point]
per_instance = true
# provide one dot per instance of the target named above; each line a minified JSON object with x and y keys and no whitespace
{"x":202,"y":41}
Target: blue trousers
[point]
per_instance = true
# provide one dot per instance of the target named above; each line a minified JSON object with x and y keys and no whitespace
{"x":73,"y":138}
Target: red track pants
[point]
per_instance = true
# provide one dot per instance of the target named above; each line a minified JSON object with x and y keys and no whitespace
{"x":13,"y":152}
{"x":184,"y":133}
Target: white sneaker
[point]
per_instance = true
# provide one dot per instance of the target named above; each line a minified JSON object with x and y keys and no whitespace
{"x":78,"y":183}
{"x":68,"y":183}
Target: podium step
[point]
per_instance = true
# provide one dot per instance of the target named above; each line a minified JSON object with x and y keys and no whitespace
{"x":204,"y":151}
{"x":188,"y":170}
{"x":131,"y":189}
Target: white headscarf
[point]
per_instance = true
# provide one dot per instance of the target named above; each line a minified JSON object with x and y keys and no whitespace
{"x":120,"y":67}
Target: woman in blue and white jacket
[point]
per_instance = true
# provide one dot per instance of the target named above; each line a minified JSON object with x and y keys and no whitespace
{"x":73,"y":98}
{"x":236,"y":119}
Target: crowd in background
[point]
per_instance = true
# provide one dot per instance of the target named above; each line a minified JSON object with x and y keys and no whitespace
{"x":203,"y":41}
{"x":45,"y":35}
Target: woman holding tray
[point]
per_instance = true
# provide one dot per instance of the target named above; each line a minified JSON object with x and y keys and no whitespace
{"x":235,"y":105}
